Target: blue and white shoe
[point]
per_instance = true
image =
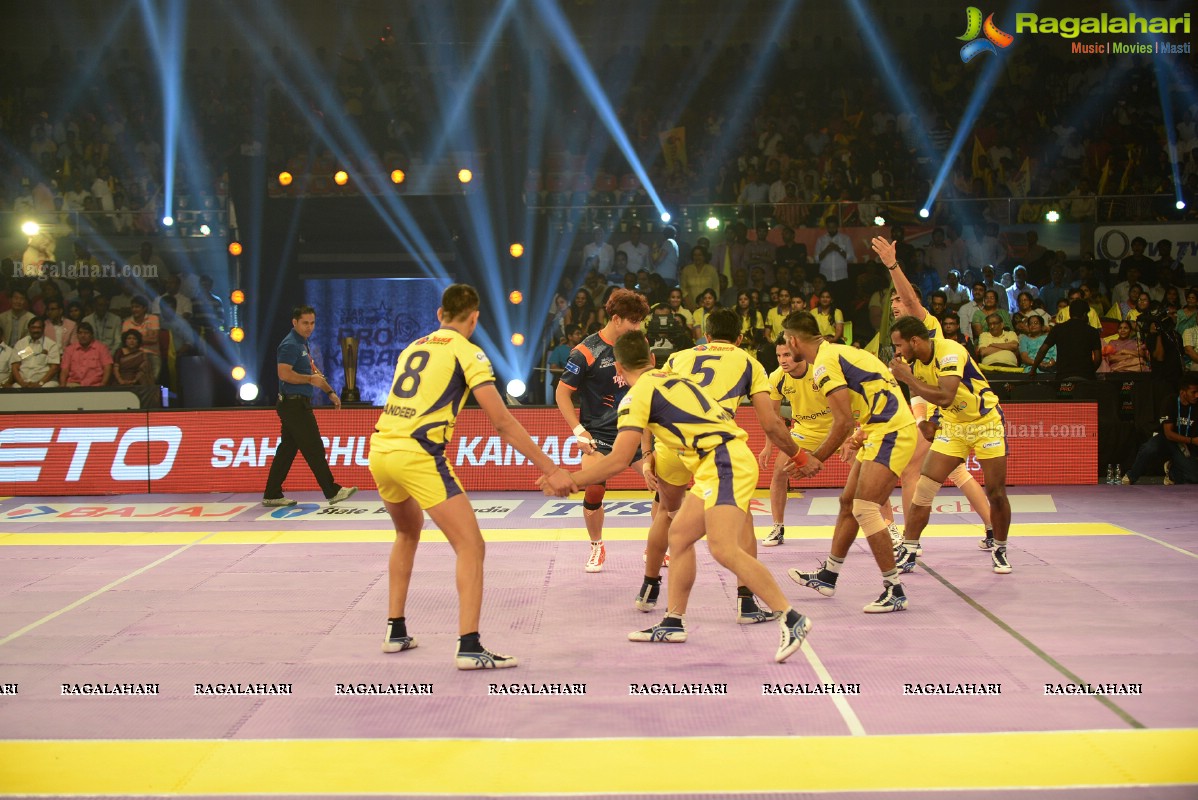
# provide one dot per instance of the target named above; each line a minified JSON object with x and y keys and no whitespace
{"x":893,"y":598}
{"x":776,"y":536}
{"x":395,"y":644}
{"x":817,"y":580}
{"x":484,"y":660}
{"x":792,"y":637}
{"x":986,"y":544}
{"x":904,"y":559}
{"x":646,"y":598}
{"x":747,"y":614}
{"x":659,"y":633}
{"x":998,"y":556}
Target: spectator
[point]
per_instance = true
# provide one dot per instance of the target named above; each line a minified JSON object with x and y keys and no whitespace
{"x":998,"y":346}
{"x":761,"y":252}
{"x":982,"y":316}
{"x":707,"y":304}
{"x":561,"y":354}
{"x":598,"y":254}
{"x":182,"y":302}
{"x":1124,"y":352}
{"x":86,"y":362}
{"x":665,"y":256}
{"x":752,"y":324}
{"x":635,"y":251}
{"x":14,"y":323}
{"x":1177,"y":444}
{"x":732,"y":253}
{"x":148,"y":326}
{"x":133,"y":367}
{"x":953,"y":332}
{"x":776,"y":315}
{"x":955,"y":294}
{"x":834,"y":252}
{"x":1187,"y":315}
{"x":1025,"y":311}
{"x":937,"y":304}
{"x":1029,"y":345}
{"x":1159,"y":333}
{"x":581,"y":312}
{"x":789,"y":254}
{"x":147,"y":258}
{"x":924,"y":276}
{"x":6,"y":356}
{"x":1079,"y":348}
{"x":697,"y":277}
{"x":207,"y":309}
{"x":740,"y":283}
{"x":1020,"y":284}
{"x":1127,"y":307}
{"x":829,"y":317}
{"x":1064,"y":314}
{"x":674,"y":301}
{"x":1057,"y":289}
{"x":37,"y":360}
{"x":967,"y":311}
{"x":939,"y":256}
{"x":1189,"y":341}
{"x":1144,"y":266}
{"x":105,"y":325}
{"x":1121,"y":292}
{"x":59,"y":329}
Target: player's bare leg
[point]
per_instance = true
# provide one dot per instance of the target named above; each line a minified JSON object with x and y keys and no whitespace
{"x":994,"y":470}
{"x":408,"y":519}
{"x":935,"y":470}
{"x":658,"y":542}
{"x":779,"y":487}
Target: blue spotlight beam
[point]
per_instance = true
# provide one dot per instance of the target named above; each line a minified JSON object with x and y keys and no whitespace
{"x":166,"y":41}
{"x":563,"y":38}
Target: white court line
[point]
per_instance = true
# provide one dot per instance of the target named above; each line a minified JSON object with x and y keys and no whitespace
{"x":1166,"y":544}
{"x":100,"y":591}
{"x":842,"y":705}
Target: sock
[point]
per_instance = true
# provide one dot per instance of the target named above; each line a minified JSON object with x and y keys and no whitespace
{"x":653,"y":581}
{"x":743,"y":591}
{"x":910,"y":544}
{"x":833,"y":565}
{"x":989,"y":532}
{"x":597,"y":544}
{"x":672,"y":620}
{"x":746,"y":601}
{"x":470,"y":643}
{"x":1002,"y":544}
{"x":891,"y":578}
{"x":792,"y":618}
{"x":397,"y":628}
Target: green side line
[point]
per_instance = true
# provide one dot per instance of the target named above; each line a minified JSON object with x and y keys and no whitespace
{"x":1030,"y":645}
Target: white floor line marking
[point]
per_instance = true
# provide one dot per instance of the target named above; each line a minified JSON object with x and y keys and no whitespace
{"x":1166,"y":544}
{"x":100,"y":591}
{"x":842,"y":705}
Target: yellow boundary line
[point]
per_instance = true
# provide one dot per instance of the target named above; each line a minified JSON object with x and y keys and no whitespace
{"x":571,"y":531}
{"x":995,"y":761}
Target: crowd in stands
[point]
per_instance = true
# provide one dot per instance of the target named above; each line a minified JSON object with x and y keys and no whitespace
{"x":1143,"y":314}
{"x":91,"y":332}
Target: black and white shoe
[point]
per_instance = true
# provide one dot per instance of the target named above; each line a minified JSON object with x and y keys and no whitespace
{"x":792,"y":637}
{"x":893,"y":598}
{"x":998,"y":556}
{"x":646,"y":598}
{"x":484,"y":660}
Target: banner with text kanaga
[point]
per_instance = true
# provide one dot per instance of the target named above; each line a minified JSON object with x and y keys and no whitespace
{"x":231,"y":451}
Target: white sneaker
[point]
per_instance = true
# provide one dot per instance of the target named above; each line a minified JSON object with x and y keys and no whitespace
{"x":776,"y":536}
{"x":1168,"y":480}
{"x":598,"y":556}
{"x":278,"y":502}
{"x":896,"y":536}
{"x":345,"y":493}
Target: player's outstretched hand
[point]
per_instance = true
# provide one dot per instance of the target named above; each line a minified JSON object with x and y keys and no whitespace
{"x":885,"y":250}
{"x":763,"y":458}
{"x":649,"y":470}
{"x":558,"y":484}
{"x":811,"y":467}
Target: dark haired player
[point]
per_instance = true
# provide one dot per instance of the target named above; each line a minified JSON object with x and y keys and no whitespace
{"x":591,"y":377}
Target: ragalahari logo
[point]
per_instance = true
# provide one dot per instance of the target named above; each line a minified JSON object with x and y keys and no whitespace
{"x":974,"y":27}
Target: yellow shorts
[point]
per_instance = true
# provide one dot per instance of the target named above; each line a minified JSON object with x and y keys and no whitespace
{"x":987,"y":437}
{"x":725,"y":476}
{"x":806,"y":439}
{"x":419,"y":474}
{"x":893,"y":449}
{"x":669,"y":467}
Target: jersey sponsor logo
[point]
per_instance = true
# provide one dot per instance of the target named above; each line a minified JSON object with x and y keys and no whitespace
{"x":572,"y":367}
{"x":699,"y":348}
{"x":481,"y":356}
{"x":819,"y":383}
{"x":820,"y":372}
{"x":625,"y":402}
{"x":607,"y":362}
{"x":948,"y":360}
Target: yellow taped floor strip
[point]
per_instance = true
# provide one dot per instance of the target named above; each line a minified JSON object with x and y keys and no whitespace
{"x":569,"y":533}
{"x":521,"y":768}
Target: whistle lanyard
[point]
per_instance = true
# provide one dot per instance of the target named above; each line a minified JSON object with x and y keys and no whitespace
{"x":1189,"y":418}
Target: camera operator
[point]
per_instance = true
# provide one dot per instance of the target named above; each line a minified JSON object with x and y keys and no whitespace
{"x":1177,"y":442}
{"x":1158,"y":331}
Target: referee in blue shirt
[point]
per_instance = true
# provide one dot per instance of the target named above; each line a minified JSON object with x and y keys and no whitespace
{"x":297,"y":376}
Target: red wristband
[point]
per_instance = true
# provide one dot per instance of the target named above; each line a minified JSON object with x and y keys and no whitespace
{"x":799,"y":458}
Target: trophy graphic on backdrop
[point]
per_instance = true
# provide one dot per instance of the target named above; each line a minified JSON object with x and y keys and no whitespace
{"x":349,"y":363}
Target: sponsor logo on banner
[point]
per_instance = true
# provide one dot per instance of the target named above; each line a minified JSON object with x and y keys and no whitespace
{"x":945,"y":504}
{"x":572,"y":509}
{"x":319,"y":512}
{"x":1114,"y":241}
{"x":91,"y":513}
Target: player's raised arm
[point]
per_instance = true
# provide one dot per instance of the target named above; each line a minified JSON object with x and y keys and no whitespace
{"x":902,"y":286}
{"x":556,"y":478}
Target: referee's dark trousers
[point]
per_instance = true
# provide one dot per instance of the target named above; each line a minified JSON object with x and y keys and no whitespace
{"x":299,"y":434}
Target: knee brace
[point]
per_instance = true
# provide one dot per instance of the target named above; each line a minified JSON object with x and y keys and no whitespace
{"x":592,"y":500}
{"x":925,"y":491}
{"x":869,"y":516}
{"x":961,"y":475}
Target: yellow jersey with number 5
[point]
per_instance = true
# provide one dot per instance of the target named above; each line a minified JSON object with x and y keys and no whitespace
{"x":433,"y":377}
{"x":722,"y":370}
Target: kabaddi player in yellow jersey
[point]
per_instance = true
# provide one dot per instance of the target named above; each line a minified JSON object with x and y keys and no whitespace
{"x":812,"y":419}
{"x":970,"y":420}
{"x":905,"y":302}
{"x":433,"y":376}
{"x":859,"y":389}
{"x":728,"y":374}
{"x":689,"y":421}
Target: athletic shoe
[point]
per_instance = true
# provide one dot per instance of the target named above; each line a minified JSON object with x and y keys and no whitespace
{"x":776,"y":536}
{"x":598,"y":556}
{"x":278,"y":502}
{"x":896,"y":536}
{"x":659,"y":633}
{"x":904,"y":559}
{"x":396,"y":644}
{"x":343,"y":494}
{"x":665,"y":561}
{"x":1125,"y":480}
{"x":646,"y":598}
{"x":892,"y":599}
{"x":813,"y":580}
{"x":999,"y":557}
{"x":792,"y":637}
{"x":1168,"y":480}
{"x":756,"y":615}
{"x":986,"y":544}
{"x":484,"y":660}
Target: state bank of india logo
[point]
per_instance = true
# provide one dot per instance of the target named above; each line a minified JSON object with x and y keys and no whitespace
{"x":974,"y":27}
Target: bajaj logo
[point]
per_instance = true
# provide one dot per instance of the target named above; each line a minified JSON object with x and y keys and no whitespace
{"x":974,"y":27}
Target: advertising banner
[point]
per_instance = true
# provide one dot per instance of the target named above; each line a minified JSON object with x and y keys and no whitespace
{"x":231,"y":451}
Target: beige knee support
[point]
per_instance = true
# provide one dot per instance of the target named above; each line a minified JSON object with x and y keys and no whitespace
{"x":961,"y":475}
{"x":869,"y":517}
{"x":925,"y":491}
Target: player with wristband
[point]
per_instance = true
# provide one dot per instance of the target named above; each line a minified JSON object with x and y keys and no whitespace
{"x":729,"y":374}
{"x":590,"y":377}
{"x":858,"y":388}
{"x":905,"y":302}
{"x":812,"y":420}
